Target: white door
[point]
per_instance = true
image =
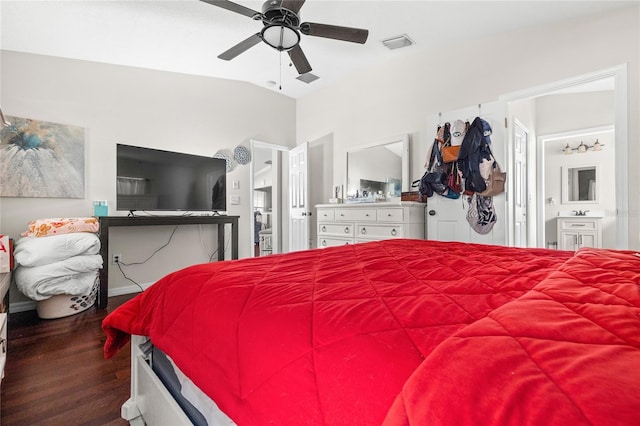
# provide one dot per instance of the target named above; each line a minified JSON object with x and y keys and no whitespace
{"x":520,"y":190}
{"x":446,"y":218}
{"x":298,"y":198}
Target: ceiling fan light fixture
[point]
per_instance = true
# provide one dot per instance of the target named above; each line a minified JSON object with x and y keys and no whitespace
{"x":397,"y":42}
{"x":280,"y":36}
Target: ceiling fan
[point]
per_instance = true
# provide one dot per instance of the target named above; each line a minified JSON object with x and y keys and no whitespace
{"x":282,"y":30}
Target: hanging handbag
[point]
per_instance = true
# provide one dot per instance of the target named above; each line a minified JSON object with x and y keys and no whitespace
{"x":495,"y":182}
{"x":454,"y":180}
{"x":435,"y":178}
{"x":450,"y":153}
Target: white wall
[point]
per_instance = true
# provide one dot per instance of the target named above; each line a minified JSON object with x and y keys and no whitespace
{"x":155,"y":109}
{"x":399,"y":96}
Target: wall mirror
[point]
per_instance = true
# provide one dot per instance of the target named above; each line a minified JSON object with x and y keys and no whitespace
{"x":378,"y":171}
{"x":580,"y":184}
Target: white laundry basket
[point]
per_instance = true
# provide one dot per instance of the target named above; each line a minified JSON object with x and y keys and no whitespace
{"x":64,"y":305}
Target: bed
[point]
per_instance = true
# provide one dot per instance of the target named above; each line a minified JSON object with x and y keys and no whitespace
{"x":394,"y":332}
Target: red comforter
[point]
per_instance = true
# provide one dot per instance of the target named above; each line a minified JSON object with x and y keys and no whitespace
{"x":403,"y":332}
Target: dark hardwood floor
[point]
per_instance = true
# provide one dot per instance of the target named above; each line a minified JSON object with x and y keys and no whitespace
{"x":56,"y":373}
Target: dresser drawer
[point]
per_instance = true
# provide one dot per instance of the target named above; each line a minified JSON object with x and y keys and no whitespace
{"x":390,"y":215}
{"x":378,"y":232}
{"x":332,"y":242}
{"x":336,"y":229}
{"x":360,"y":215}
{"x":326,"y":215}
{"x":579,"y":225}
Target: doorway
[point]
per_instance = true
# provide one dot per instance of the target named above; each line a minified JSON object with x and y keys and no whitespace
{"x":517,"y":105}
{"x":266,"y":198}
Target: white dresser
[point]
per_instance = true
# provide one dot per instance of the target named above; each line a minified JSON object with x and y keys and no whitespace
{"x":579,"y":231}
{"x":340,"y":224}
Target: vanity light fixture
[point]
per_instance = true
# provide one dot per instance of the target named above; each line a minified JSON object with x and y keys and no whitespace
{"x":582,"y":148}
{"x":597,"y":146}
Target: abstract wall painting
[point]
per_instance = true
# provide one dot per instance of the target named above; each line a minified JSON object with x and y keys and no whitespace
{"x":41,"y":159}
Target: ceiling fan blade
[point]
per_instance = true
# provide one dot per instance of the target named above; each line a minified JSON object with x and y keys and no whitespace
{"x":299,"y":60}
{"x":292,"y":5}
{"x":240,"y":47}
{"x":354,"y":35}
{"x":234,"y":7}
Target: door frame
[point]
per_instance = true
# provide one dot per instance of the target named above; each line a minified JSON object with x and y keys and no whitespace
{"x":619,"y":74}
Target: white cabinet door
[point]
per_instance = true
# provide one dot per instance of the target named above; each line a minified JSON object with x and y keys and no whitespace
{"x":588,"y":239}
{"x":569,"y":240}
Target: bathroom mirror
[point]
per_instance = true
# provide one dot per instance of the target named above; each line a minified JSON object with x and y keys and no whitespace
{"x":580,"y":184}
{"x":378,"y":171}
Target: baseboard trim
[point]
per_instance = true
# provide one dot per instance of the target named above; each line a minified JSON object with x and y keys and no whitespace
{"x":25,"y":306}
{"x":30,"y":305}
{"x":119,"y":291}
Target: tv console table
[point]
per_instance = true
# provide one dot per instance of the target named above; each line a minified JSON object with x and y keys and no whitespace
{"x":107,"y":222}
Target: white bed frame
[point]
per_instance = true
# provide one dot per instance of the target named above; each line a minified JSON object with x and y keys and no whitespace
{"x":150,"y":402}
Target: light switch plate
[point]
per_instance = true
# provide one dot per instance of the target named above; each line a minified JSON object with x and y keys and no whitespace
{"x":236,"y":184}
{"x":235,"y":199}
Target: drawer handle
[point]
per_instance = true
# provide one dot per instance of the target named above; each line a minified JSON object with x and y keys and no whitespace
{"x":578,"y":224}
{"x":363,"y":231}
{"x":366,"y":214}
{"x":346,"y":230}
{"x":324,"y":228}
{"x":394,"y":232}
{"x":388,"y":214}
{"x":341,"y":214}
{"x":324,"y":242}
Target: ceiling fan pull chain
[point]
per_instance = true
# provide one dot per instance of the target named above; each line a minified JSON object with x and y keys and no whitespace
{"x":281,"y":70}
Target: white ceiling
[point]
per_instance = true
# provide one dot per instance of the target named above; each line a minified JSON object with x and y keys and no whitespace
{"x":185,"y":36}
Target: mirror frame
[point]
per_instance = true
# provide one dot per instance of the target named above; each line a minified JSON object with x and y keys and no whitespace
{"x":405,"y":172}
{"x":565,"y":183}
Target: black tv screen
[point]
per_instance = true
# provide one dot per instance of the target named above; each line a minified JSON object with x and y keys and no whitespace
{"x":152,"y":179}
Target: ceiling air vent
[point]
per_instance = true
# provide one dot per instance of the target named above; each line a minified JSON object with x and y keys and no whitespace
{"x":397,"y":42}
{"x":307,"y":77}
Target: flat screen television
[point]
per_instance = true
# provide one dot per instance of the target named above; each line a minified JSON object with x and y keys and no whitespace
{"x":156,"y":180}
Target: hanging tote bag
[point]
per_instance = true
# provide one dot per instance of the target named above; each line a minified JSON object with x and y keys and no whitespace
{"x":495,"y":182}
